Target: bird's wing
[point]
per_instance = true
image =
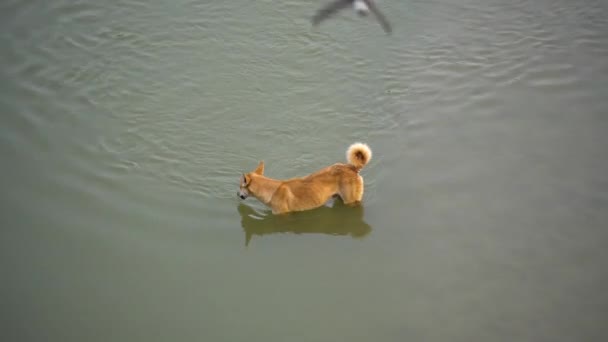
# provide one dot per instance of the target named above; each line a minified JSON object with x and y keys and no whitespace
{"x":329,"y":10}
{"x":381,"y":18}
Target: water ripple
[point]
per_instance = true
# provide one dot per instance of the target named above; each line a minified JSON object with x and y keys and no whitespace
{"x":189,"y":96}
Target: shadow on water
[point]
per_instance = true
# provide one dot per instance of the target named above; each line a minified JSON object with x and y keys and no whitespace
{"x":338,"y":220}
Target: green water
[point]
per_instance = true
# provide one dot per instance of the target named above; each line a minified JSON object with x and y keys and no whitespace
{"x":126,"y":124}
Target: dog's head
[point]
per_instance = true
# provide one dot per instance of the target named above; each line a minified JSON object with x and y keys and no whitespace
{"x":247,"y":179}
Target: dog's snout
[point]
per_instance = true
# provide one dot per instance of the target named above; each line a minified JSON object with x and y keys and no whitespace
{"x":242,"y":193}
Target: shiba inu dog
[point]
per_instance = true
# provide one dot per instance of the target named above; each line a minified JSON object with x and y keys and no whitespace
{"x":361,"y":7}
{"x":312,"y":191}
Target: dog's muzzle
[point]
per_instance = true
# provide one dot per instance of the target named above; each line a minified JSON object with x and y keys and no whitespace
{"x":242,"y":194}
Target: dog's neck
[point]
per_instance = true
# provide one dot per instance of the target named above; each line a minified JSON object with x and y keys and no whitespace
{"x":263,"y":188}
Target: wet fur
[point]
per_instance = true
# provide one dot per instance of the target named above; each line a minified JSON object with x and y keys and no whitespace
{"x":312,"y":191}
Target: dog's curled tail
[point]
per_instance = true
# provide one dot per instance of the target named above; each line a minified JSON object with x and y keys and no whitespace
{"x":358,"y":155}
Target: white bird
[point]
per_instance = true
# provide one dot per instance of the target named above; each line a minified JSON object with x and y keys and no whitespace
{"x":361,"y":7}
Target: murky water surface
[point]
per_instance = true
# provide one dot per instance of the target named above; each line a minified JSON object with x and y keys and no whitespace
{"x":126,"y":124}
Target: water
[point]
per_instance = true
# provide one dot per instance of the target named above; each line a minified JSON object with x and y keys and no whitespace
{"x":126,"y":125}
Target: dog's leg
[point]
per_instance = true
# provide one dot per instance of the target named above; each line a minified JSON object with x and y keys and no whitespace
{"x":352,"y":193}
{"x":280,"y":201}
{"x":280,"y":208}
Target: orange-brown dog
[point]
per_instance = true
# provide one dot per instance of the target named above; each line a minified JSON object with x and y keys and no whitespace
{"x":312,"y":191}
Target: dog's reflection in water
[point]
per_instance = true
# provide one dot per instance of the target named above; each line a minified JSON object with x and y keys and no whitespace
{"x":341,"y":220}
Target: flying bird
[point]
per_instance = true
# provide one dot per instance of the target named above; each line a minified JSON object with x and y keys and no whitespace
{"x":362,"y":7}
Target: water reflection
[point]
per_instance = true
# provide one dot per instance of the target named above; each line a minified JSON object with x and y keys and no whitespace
{"x":336,"y":220}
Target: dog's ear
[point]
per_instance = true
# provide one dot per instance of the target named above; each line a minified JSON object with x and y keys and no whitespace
{"x":245,"y":179}
{"x":260,"y":169}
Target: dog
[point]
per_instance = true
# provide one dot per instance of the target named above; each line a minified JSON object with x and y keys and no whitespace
{"x":312,"y":191}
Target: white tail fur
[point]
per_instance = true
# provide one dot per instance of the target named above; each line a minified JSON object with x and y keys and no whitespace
{"x":358,"y":155}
